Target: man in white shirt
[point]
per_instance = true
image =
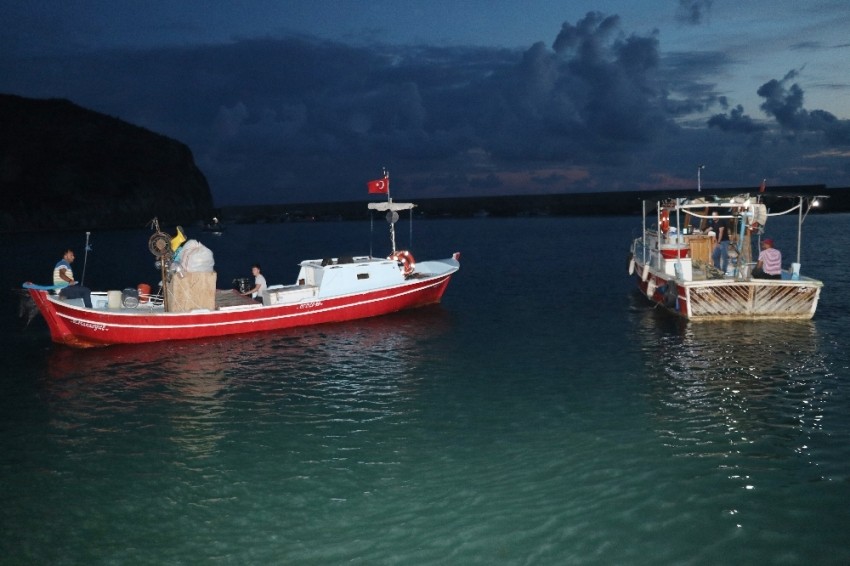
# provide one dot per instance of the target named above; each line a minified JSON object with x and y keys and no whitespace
{"x":259,"y":284}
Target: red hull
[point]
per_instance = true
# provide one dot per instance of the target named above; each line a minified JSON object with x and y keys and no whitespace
{"x":81,"y":327}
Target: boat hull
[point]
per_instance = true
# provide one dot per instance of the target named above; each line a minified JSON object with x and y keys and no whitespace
{"x":730,"y":299}
{"x":81,"y":327}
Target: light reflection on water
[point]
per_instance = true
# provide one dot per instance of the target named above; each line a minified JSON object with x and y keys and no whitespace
{"x":539,"y":416}
{"x":742,"y":404}
{"x":353,"y":372}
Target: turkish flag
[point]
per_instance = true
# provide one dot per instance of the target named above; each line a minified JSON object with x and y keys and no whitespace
{"x":379,"y":186}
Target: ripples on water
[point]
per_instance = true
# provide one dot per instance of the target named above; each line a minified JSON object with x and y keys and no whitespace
{"x":753,"y":415}
{"x":542,"y":415}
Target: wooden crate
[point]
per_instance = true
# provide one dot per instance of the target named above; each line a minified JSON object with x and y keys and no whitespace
{"x":195,"y":290}
{"x":701,"y":247}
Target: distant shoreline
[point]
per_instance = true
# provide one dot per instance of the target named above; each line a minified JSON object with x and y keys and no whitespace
{"x":564,"y":204}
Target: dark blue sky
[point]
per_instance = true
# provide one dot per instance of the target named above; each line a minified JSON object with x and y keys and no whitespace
{"x":291,"y":101}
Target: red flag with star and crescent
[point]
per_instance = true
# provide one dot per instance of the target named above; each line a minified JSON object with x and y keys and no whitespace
{"x":379,"y":186}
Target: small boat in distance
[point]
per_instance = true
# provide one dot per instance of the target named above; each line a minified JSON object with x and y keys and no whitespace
{"x":214,"y":227}
{"x":331,"y":289}
{"x":672,"y":259}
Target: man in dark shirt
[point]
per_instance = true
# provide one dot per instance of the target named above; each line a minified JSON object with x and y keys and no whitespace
{"x":720,"y":255}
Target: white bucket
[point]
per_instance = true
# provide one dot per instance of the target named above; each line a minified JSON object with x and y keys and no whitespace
{"x":114,"y":299}
{"x":795,"y":271}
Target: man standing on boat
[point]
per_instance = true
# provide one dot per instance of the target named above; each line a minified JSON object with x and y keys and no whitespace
{"x":720,"y":227}
{"x":769,"y":265}
{"x":63,"y":276}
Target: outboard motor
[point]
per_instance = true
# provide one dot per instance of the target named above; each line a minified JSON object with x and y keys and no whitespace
{"x":242,"y":284}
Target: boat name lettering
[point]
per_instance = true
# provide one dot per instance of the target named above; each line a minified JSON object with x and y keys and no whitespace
{"x":92,"y":325}
{"x":310,"y":305}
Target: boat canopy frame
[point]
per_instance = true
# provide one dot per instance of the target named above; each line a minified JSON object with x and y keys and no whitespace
{"x":741,"y":201}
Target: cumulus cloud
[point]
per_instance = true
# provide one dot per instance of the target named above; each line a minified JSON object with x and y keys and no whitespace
{"x":296,"y":118}
{"x":784,"y":103}
{"x":736,"y":121}
{"x":693,"y":12}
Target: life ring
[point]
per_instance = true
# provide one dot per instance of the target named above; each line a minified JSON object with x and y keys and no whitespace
{"x":665,"y":221}
{"x":408,"y":264}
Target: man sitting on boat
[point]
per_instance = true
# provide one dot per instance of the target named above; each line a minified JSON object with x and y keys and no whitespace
{"x":63,"y":276}
{"x":259,"y":284}
{"x":769,"y":265}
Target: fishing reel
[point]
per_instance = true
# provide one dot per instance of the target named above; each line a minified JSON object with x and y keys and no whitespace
{"x":159,"y":245}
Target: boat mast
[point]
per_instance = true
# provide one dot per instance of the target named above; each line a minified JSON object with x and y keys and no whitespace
{"x":86,"y":259}
{"x":392,"y":215}
{"x":799,"y":227}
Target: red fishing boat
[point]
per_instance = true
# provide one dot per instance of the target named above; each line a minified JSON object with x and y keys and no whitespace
{"x":326,"y":290}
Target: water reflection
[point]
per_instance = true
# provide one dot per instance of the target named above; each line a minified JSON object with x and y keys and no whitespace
{"x":744,"y":395}
{"x":196,"y":392}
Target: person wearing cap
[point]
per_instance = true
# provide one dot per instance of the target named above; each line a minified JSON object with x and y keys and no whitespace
{"x":769,"y":265}
{"x":63,"y":278}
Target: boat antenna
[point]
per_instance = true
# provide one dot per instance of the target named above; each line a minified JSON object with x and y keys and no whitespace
{"x":85,"y":259}
{"x":699,"y":168}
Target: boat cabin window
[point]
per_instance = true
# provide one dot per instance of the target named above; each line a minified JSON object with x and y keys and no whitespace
{"x":363,"y":276}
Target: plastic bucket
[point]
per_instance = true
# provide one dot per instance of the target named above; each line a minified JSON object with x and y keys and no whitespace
{"x":113,"y":299}
{"x":130,"y":298}
{"x":675,"y":251}
{"x":144,"y":292}
{"x":795,"y":271}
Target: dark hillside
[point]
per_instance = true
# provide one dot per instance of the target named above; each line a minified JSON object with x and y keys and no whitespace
{"x":64,"y":167}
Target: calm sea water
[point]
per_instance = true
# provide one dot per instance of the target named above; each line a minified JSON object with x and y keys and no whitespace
{"x":543,"y":414}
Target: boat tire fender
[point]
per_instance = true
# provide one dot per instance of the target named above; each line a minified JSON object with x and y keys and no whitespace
{"x":671,"y":295}
{"x":650,"y":289}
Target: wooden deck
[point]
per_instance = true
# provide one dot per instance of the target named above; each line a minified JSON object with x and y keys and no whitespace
{"x":231,"y":298}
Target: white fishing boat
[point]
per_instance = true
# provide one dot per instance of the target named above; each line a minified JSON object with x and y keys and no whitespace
{"x":673,"y":266}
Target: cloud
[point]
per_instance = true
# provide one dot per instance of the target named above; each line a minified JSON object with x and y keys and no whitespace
{"x":296,"y":118}
{"x":693,"y":12}
{"x":735,"y":121}
{"x":785,"y":104}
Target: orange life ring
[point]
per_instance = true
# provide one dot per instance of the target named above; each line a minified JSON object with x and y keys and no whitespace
{"x":408,"y":264}
{"x":665,"y":221}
